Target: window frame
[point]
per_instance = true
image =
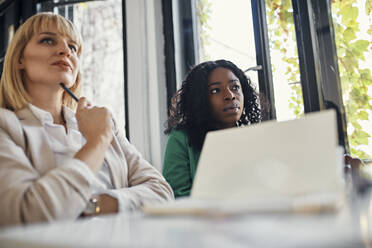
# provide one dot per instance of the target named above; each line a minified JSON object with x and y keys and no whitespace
{"x":319,"y":73}
{"x":320,"y":80}
{"x":265,"y":77}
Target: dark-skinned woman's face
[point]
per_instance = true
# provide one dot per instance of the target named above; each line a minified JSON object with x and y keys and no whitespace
{"x":225,"y":97}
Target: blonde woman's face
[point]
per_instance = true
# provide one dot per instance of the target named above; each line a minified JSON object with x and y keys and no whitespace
{"x":49,"y":58}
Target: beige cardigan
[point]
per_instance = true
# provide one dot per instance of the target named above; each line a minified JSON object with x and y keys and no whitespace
{"x":33,"y":189}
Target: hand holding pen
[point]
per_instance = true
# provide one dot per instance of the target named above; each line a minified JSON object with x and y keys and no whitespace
{"x":95,"y":123}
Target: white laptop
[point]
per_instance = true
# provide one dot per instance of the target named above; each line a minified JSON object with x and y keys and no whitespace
{"x":267,"y":167}
{"x":271,"y":159}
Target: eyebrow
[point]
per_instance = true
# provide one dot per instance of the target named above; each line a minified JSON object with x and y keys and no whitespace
{"x":218,"y":83}
{"x":49,"y":33}
{"x":215,"y":83}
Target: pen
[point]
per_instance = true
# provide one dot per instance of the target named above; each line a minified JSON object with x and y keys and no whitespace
{"x":69,"y":92}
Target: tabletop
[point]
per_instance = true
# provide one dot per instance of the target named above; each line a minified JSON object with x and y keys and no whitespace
{"x":350,"y":226}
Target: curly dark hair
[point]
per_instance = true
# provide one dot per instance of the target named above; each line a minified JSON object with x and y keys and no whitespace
{"x":190,"y":108}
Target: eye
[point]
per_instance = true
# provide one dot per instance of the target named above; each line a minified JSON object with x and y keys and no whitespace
{"x":235,"y":87}
{"x":214,"y":91}
{"x":73,"y":48}
{"x":47,"y":40}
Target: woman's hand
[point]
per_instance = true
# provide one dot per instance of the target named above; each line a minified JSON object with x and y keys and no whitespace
{"x":354,"y":163}
{"x":360,"y":177}
{"x":95,"y":124}
{"x":107,"y":204}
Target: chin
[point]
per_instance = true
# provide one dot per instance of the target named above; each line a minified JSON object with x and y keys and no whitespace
{"x":230,"y":122}
{"x":233,"y":119}
{"x":68,"y":82}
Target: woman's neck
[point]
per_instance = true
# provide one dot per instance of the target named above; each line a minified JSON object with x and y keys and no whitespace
{"x":54,"y":109}
{"x":218,"y":126}
{"x":50,"y":101}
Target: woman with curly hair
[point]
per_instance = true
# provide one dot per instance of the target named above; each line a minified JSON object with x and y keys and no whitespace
{"x":215,"y":95}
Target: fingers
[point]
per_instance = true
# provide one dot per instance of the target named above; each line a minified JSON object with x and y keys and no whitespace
{"x":83,"y":103}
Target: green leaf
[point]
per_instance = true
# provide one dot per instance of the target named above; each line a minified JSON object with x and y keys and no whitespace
{"x":349,"y":14}
{"x":361,"y":154}
{"x":356,"y":125}
{"x":365,"y":75}
{"x":349,"y":34}
{"x":362,"y":137}
{"x":353,"y":142}
{"x":369,"y":31}
{"x":363,"y":115}
{"x":360,"y":46}
{"x":286,"y":4}
{"x":350,"y":62}
{"x":368,"y":7}
{"x":287,"y":17}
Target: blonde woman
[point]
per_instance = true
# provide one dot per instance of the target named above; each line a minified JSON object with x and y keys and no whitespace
{"x":54,"y":163}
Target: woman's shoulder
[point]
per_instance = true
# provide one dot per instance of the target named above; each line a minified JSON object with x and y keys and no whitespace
{"x":7,"y":116}
{"x":10,"y":124}
{"x":179,"y":134}
{"x":6,"y":112}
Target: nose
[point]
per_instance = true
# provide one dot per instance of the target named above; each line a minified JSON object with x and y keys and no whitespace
{"x":64,"y":49}
{"x":229,"y":95}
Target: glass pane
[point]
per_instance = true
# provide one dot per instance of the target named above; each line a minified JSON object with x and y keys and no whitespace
{"x":100,"y":23}
{"x":284,"y":60}
{"x":353,"y":32}
{"x":226,"y":32}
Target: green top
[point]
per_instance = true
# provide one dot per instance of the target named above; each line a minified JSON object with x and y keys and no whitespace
{"x":180,"y":162}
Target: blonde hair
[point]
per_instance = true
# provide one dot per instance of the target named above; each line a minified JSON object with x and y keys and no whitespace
{"x":13,"y":94}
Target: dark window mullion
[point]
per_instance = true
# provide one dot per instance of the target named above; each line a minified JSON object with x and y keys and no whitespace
{"x":331,"y":83}
{"x":188,"y":26}
{"x":125,"y":65}
{"x":265,"y":77}
{"x":169,"y":51}
{"x":318,"y":60}
{"x":308,"y":56}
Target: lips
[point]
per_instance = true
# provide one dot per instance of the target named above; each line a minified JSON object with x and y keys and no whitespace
{"x":63,"y":64}
{"x":231,"y":107}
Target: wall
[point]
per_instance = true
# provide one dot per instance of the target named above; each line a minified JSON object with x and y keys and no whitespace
{"x":146,"y":78}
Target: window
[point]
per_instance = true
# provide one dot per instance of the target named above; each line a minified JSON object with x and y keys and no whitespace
{"x":353,"y":32}
{"x":100,"y":23}
{"x":294,"y":45}
{"x":284,"y":60}
{"x":226,"y":32}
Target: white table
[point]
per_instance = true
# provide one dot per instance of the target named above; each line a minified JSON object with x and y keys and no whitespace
{"x":350,"y":227}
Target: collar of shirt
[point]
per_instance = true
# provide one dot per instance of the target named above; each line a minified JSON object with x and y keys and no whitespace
{"x":60,"y":141}
{"x":46,"y":118}
{"x":42,"y":115}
